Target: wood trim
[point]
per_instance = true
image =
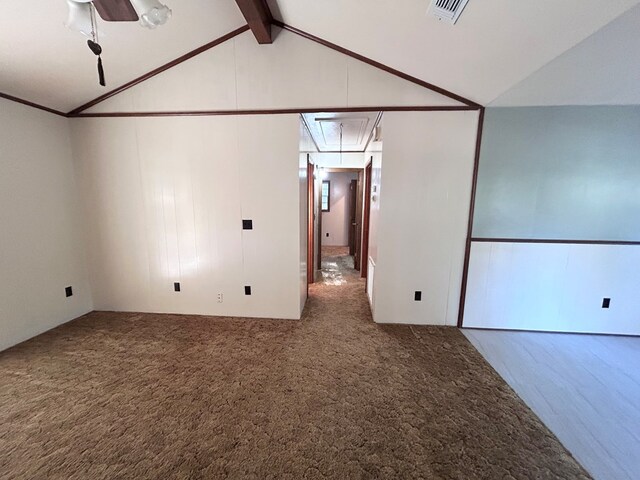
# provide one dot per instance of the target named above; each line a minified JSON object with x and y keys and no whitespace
{"x":11,"y":98}
{"x":310,"y":222}
{"x":553,"y":332}
{"x":472,"y":204}
{"x":366,"y":217}
{"x":557,"y":241}
{"x":282,"y":111}
{"x":153,"y":73}
{"x":378,"y":65}
{"x":319,"y":232}
{"x":259,"y":19}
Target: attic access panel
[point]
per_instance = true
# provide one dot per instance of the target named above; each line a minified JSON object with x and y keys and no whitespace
{"x":346,"y":132}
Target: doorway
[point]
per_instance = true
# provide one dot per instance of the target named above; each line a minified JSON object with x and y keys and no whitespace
{"x":336,"y":147}
{"x":341,"y":222}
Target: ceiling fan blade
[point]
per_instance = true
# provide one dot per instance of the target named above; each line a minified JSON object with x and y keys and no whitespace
{"x":116,"y":10}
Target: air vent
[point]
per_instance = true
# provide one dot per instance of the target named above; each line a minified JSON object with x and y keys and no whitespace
{"x":448,"y":10}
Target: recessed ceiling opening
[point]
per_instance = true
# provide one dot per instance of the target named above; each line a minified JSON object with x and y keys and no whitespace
{"x":342,"y":132}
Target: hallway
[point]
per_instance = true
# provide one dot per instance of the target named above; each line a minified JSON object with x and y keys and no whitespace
{"x":337,"y":266}
{"x":332,"y":396}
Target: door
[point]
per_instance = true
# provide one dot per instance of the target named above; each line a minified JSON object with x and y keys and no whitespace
{"x":365,"y":220}
{"x":357,"y":258}
{"x":353,"y":195}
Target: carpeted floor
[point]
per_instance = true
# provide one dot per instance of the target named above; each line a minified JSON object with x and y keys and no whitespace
{"x":114,"y":395}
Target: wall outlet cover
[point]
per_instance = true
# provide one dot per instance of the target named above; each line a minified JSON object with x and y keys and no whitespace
{"x":68,"y":291}
{"x":247,"y":290}
{"x":247,"y":224}
{"x":176,"y":286}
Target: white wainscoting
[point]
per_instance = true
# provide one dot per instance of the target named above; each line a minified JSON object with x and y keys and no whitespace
{"x":370,"y":276}
{"x":554,"y":287}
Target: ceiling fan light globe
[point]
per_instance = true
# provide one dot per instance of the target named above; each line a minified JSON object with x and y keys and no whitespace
{"x":79,"y":18}
{"x":152,"y":13}
{"x":156,"y":17}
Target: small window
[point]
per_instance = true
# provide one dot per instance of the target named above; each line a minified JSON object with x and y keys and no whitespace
{"x":326,"y":194}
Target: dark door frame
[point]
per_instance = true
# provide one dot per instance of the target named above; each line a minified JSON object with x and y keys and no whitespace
{"x":353,"y":219}
{"x":357,"y":258}
{"x":319,"y":232}
{"x":364,"y":267}
{"x":310,"y":222}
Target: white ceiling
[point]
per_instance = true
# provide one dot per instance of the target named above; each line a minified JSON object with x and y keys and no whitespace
{"x":44,"y":62}
{"x":602,"y":70}
{"x":356,"y":130}
{"x":495,"y":45}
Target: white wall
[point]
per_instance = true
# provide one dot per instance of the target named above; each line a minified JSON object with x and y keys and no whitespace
{"x":563,"y":173}
{"x":335,"y":222}
{"x":373,"y":155}
{"x":424,"y":204}
{"x":293,"y":72}
{"x":303,"y":226}
{"x":164,"y":196}
{"x":554,"y":287}
{"x":305,"y":147}
{"x":164,"y":201}
{"x":41,"y":247}
{"x":339,"y":160}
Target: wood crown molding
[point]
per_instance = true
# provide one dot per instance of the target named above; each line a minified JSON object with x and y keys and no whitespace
{"x":555,"y":241}
{"x":77,"y":112}
{"x":381,"y":66}
{"x":472,"y":205}
{"x":11,"y":98}
{"x":158,"y":70}
{"x":467,"y":104}
{"x":281,"y":111}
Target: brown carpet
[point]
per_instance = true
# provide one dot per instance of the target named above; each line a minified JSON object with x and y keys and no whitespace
{"x":121,"y":395}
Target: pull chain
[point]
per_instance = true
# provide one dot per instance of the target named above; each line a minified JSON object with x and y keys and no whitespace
{"x":95,"y":46}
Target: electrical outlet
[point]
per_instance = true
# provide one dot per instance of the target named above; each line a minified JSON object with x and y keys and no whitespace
{"x":417,"y":296}
{"x":220,"y":298}
{"x":327,"y":234}
{"x":247,"y":290}
{"x":176,"y":286}
{"x":606,"y":302}
{"x":68,"y":291}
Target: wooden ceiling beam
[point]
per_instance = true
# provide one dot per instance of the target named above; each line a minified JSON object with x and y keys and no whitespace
{"x":258,"y":17}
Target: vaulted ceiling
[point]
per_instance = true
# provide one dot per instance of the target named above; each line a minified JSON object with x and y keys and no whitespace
{"x":495,"y":46}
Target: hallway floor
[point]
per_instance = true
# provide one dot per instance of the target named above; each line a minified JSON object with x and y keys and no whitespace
{"x":129,"y":395}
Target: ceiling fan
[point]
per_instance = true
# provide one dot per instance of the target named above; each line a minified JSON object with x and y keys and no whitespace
{"x":82,"y":18}
{"x":151,"y":13}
